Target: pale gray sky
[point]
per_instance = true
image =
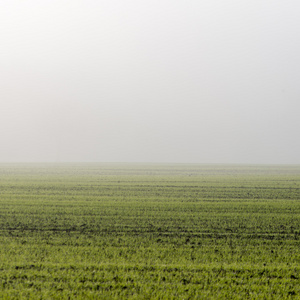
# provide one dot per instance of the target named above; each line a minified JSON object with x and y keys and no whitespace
{"x":208,"y":81}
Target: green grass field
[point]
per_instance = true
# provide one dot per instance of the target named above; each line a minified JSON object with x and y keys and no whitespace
{"x":132,"y":231}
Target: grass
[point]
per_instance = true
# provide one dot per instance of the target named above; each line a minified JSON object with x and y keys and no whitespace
{"x":119,"y":231}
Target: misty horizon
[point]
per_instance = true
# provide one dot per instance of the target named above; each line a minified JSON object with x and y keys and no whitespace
{"x":207,"y":82}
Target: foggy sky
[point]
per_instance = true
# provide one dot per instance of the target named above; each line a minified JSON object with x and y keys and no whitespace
{"x":150,"y":81}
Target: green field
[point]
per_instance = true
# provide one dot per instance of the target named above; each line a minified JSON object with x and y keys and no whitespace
{"x":133,"y":231}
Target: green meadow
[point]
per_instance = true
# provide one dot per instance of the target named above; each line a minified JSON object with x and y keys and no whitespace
{"x":149,"y":231}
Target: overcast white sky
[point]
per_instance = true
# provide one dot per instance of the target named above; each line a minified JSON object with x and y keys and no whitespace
{"x":194,"y":81}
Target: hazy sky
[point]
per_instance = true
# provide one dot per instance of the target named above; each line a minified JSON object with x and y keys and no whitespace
{"x":209,"y":81}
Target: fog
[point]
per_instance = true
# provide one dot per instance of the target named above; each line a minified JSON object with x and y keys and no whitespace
{"x":150,"y":81}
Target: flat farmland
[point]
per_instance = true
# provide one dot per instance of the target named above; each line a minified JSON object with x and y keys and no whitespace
{"x":149,"y":231}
